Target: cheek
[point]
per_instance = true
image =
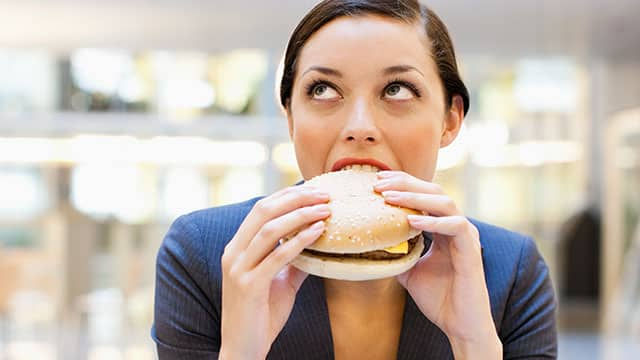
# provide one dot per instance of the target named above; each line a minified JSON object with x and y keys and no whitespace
{"x":416,"y":148}
{"x":312,"y":141}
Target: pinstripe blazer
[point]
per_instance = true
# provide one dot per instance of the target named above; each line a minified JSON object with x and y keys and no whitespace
{"x":188,"y":297}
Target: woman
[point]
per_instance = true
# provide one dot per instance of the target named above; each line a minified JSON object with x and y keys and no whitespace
{"x":372,"y":79}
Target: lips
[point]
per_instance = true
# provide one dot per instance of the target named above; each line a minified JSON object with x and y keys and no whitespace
{"x":340,"y":164}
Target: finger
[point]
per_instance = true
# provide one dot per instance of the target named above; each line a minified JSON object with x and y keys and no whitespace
{"x":270,"y":207}
{"x":268,"y":236}
{"x":401,"y":181}
{"x":457,"y":228}
{"x":286,"y":252}
{"x":446,"y":225}
{"x":293,"y":277}
{"x":439,"y":205}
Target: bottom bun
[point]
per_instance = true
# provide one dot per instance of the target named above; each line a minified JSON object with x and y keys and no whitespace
{"x":357,"y":269}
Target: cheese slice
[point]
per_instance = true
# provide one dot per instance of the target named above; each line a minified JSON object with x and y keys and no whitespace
{"x":401,"y":248}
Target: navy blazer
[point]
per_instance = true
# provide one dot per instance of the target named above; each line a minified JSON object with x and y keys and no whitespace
{"x":189,"y":282}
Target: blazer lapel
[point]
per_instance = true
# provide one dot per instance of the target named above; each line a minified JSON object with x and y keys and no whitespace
{"x":307,"y":333}
{"x":419,"y":337}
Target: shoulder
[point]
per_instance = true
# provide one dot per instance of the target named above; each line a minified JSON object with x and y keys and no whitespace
{"x":209,"y":230}
{"x":225,"y":215}
{"x":214,"y":222}
{"x":521,"y":293}
{"x":504,"y":252}
{"x":502,"y":247}
{"x":514,"y":268}
{"x":197,"y":240}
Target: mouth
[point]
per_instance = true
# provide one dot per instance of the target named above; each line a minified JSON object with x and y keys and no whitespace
{"x":363,"y":164}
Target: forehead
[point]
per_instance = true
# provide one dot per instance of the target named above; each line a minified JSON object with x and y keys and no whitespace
{"x":367,"y":42}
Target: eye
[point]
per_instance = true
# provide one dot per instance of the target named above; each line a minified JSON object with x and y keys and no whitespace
{"x":398,"y":92}
{"x":322,"y":91}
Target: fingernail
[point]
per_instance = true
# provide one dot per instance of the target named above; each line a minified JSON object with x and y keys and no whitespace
{"x":391,"y":195}
{"x":306,"y":188}
{"x":382,"y":184}
{"x":320,"y":194}
{"x":422,"y":219}
{"x":322,"y":209}
{"x":384,"y":174}
{"x":317,"y":226}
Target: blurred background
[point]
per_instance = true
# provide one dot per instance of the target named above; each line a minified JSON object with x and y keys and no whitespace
{"x":118,"y":116}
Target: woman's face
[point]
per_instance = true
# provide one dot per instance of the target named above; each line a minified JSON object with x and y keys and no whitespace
{"x":367,"y":89}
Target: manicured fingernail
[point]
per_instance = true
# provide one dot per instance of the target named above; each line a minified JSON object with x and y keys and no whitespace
{"x":382,"y":184}
{"x":391,"y":195}
{"x":384,"y":174}
{"x":318,"y":226}
{"x":422,"y":219}
{"x":320,"y":194}
{"x":321,"y":209}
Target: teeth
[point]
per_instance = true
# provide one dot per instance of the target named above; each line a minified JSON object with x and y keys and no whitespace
{"x":369,"y":168}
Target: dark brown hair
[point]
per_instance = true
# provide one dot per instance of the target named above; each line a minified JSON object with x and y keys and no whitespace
{"x":409,"y":11}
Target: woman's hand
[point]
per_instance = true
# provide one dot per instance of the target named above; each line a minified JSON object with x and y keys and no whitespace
{"x":258,"y":285}
{"x":447,"y":283}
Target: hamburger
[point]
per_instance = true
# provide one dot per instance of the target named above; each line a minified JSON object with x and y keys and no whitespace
{"x":364,"y":238}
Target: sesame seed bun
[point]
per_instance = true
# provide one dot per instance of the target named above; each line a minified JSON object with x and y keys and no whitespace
{"x":360,"y":227}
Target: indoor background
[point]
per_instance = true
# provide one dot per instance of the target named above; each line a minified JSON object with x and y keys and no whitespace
{"x":118,"y":116}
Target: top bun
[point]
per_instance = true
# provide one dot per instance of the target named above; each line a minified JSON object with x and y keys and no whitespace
{"x":360,"y":219}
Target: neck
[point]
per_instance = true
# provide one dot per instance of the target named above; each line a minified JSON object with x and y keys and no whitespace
{"x":365,"y":294}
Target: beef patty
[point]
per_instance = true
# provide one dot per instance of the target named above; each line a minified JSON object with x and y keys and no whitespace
{"x":370,"y":255}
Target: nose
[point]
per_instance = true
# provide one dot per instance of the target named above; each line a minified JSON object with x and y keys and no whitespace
{"x":360,"y":127}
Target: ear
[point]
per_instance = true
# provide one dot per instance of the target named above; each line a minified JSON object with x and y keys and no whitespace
{"x":453,"y":121}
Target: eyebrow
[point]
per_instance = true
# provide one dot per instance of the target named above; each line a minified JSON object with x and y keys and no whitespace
{"x":396,"y":69}
{"x":323,"y":70}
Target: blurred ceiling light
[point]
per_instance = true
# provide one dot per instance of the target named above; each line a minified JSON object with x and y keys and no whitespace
{"x":128,"y":149}
{"x":284,"y":156}
{"x":532,"y":153}
{"x":188,"y":94}
{"x":239,"y":184}
{"x":132,"y":90}
{"x":183,"y":190}
{"x":122,"y":191}
{"x":197,"y":150}
{"x":181,"y":81}
{"x":100,"y":70}
{"x":29,"y":150}
{"x":23,"y":194}
{"x":488,"y":133}
{"x":29,"y":81}
{"x":546,"y":85}
{"x":237,"y":76}
{"x":101,"y":148}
